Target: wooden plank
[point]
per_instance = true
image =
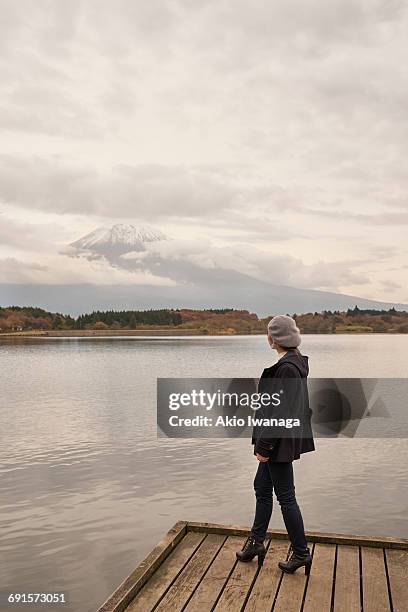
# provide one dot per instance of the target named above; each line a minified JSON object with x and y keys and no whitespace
{"x":155,"y":588}
{"x":267,"y":582}
{"x":312,"y":536}
{"x":320,"y":583}
{"x":213,"y":582}
{"x":347,"y":587}
{"x":291,"y":591}
{"x":185,"y":584}
{"x":397,"y":563}
{"x":375,"y":587}
{"x":133,"y":584}
{"x":119,"y":599}
{"x":237,"y":587}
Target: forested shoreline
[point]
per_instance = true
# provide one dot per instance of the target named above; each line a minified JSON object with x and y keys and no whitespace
{"x":208,"y":321}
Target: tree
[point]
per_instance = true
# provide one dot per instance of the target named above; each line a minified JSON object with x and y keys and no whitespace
{"x":99,"y":325}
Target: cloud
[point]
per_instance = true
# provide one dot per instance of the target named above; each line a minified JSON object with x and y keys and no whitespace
{"x":148,"y":189}
{"x":144,"y":191}
{"x":390,"y":285}
{"x":386,"y":218}
{"x":21,"y":235}
{"x":49,"y":113}
{"x":176,"y":262}
{"x":55,"y":270}
{"x":195,"y":261}
{"x":221,"y":196}
{"x":14,"y":271}
{"x":281,"y":123}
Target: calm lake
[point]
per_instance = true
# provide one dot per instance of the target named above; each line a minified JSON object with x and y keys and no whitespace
{"x":88,"y":489}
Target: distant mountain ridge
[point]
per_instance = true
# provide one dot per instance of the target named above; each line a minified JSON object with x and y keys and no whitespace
{"x":253,"y":296}
{"x":194,"y":286}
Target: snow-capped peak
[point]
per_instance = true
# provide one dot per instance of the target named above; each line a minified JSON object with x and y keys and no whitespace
{"x":122,"y":237}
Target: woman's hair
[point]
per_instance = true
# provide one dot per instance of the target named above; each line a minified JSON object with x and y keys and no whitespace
{"x":294,"y":348}
{"x":289,"y":348}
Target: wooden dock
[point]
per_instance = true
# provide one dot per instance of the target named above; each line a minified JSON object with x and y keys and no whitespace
{"x":194,"y":568}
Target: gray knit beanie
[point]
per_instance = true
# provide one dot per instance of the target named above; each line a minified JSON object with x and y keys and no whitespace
{"x":284,"y":331}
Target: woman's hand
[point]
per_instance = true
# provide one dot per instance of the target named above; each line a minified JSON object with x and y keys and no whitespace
{"x":261,"y":458}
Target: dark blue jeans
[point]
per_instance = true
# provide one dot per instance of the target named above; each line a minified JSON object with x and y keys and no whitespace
{"x":278,"y":477}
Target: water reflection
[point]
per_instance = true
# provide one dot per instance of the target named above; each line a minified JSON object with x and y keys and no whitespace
{"x":88,"y":489}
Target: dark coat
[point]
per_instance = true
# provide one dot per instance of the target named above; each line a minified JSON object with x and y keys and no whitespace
{"x":292,"y":365}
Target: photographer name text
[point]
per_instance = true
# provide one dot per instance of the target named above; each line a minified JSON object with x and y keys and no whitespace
{"x":226,"y":421}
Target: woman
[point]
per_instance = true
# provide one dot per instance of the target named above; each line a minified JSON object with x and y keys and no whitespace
{"x":275,"y":455}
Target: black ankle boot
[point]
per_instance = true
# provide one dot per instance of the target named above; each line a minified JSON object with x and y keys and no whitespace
{"x":251,"y":549}
{"x":296,"y":561}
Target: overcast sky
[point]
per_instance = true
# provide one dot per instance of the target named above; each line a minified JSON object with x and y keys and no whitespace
{"x":268,"y":135}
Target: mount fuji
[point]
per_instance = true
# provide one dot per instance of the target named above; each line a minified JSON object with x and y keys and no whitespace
{"x":137,"y":248}
{"x":116,"y":240}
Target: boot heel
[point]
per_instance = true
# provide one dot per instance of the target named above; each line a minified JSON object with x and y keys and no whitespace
{"x":261,"y":558}
{"x":307,"y":568}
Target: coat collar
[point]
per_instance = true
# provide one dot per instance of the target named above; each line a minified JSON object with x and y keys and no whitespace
{"x":289,"y":357}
